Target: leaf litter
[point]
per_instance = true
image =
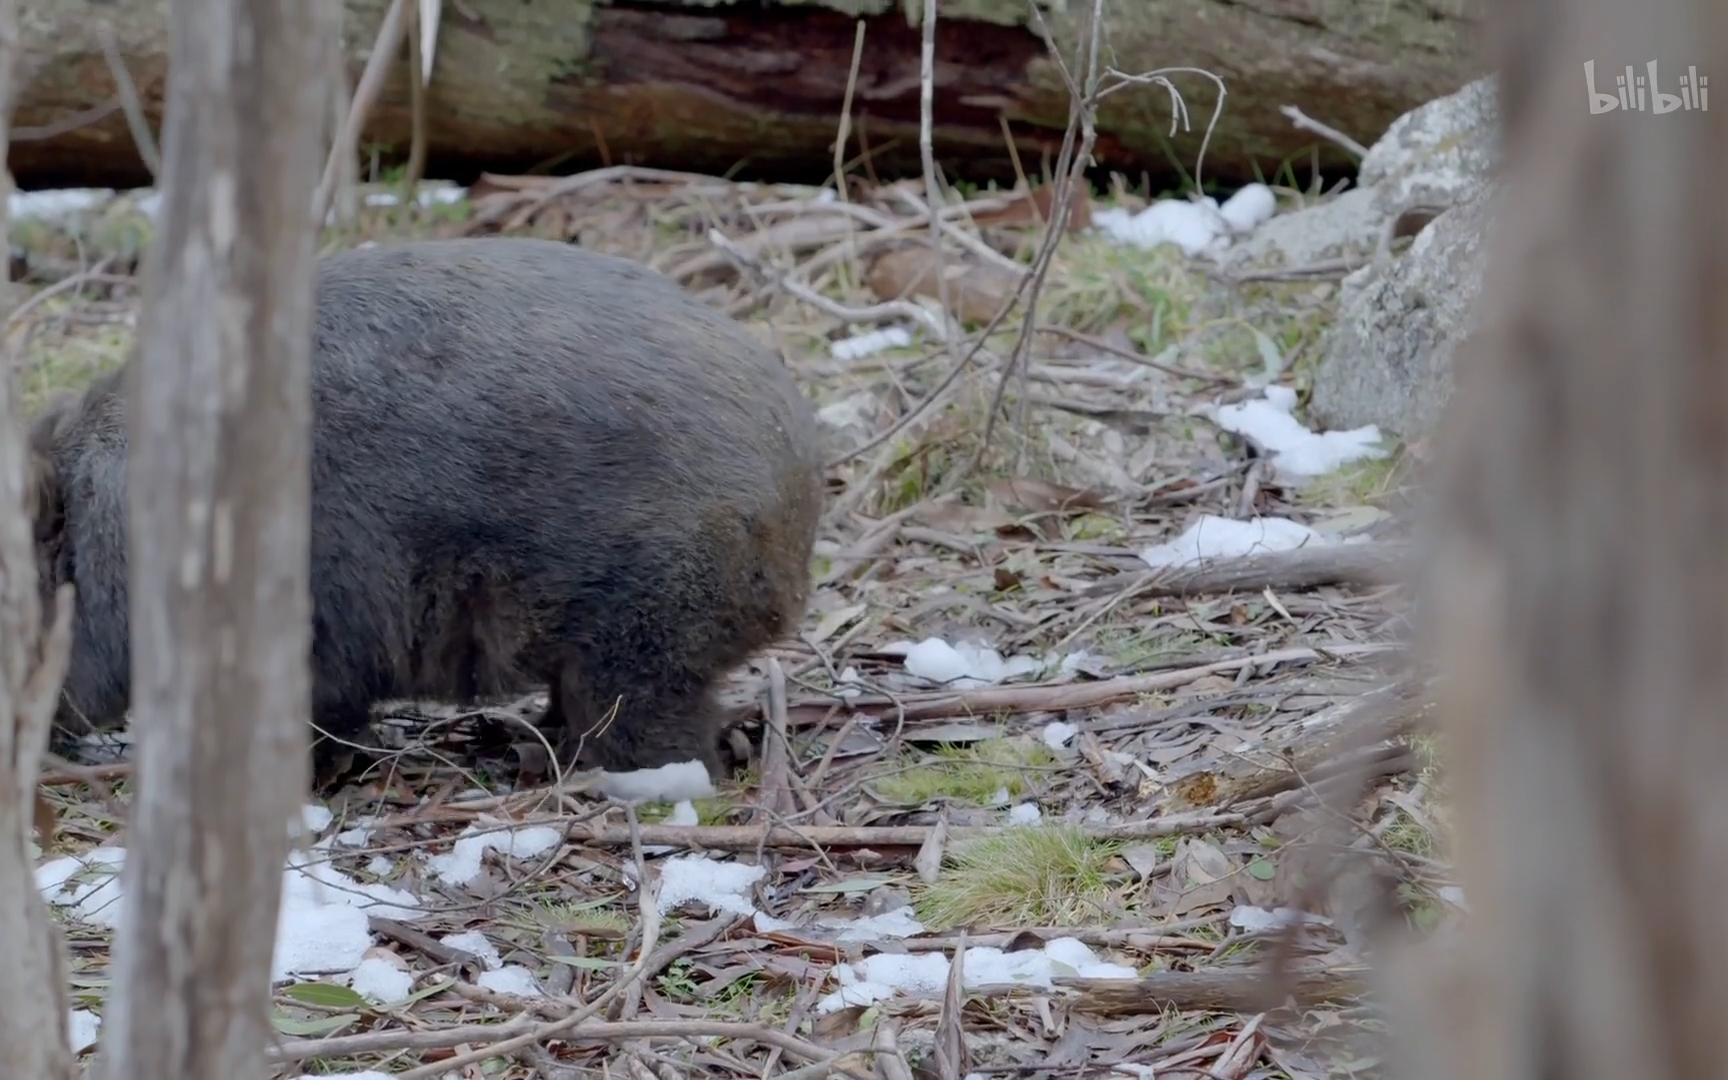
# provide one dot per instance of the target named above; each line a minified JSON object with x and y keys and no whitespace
{"x":1095,"y":709}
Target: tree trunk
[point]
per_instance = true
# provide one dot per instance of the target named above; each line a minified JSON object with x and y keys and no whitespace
{"x":219,"y":539}
{"x":698,"y":85}
{"x":1581,"y":567}
{"x":34,"y":1001}
{"x":33,"y":997}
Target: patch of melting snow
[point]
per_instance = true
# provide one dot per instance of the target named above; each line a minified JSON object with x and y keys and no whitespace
{"x":1296,"y":451}
{"x":1025,"y":814}
{"x":382,"y":981}
{"x":668,"y":783}
{"x":314,"y":818}
{"x":897,"y":923}
{"x":1057,"y":734}
{"x":965,"y":666}
{"x":723,"y":886}
{"x":499,"y":977}
{"x":88,"y":884}
{"x":81,"y":1028}
{"x":1259,"y":920}
{"x":683,"y":814}
{"x":323,"y":928}
{"x":886,"y":974}
{"x":461,"y":864}
{"x":50,"y":205}
{"x":429,"y":194}
{"x":1213,"y":537}
{"x":870,"y":343}
{"x":1193,"y":226}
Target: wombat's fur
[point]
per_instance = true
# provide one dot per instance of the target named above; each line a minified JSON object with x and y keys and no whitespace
{"x":532,"y":465}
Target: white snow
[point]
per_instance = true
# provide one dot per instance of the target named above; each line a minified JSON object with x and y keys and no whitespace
{"x":885,"y":974}
{"x":512,"y":979}
{"x":95,"y":896}
{"x":668,"y":783}
{"x":1259,"y":920}
{"x":49,"y":205}
{"x":1214,"y":537}
{"x":382,"y":981}
{"x":1057,"y":733}
{"x":1296,"y":452}
{"x":322,"y":926}
{"x":498,"y":976}
{"x":430,"y":193}
{"x":1249,"y":207}
{"x":81,"y":1028}
{"x":1025,"y":814}
{"x":870,"y":343}
{"x":476,"y":944}
{"x":314,"y":818}
{"x":1193,"y":226}
{"x":965,"y":666}
{"x":723,"y":886}
{"x":461,"y":864}
{"x":897,"y":923}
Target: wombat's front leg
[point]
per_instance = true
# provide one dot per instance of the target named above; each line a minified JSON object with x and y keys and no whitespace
{"x":644,"y":725}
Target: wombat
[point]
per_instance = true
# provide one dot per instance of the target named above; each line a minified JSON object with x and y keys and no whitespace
{"x":532,"y":465}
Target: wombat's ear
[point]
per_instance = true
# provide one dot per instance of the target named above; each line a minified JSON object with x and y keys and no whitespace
{"x":43,"y":497}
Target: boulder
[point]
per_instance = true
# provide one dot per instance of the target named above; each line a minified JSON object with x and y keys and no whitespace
{"x":1387,"y":358}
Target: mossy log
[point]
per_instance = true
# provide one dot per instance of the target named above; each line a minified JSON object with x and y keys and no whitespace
{"x":756,"y":86}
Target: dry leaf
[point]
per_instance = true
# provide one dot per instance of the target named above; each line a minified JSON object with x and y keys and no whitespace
{"x":976,"y":291}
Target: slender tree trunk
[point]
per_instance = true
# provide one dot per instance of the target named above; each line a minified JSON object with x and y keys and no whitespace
{"x":1582,"y":561}
{"x":219,"y":538}
{"x":33,"y":997}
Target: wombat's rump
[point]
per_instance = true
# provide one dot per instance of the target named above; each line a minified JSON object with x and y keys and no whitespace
{"x":532,"y":465}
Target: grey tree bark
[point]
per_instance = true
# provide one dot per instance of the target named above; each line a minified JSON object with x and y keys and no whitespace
{"x":1581,"y":566}
{"x":34,"y":1001}
{"x":219,"y":538}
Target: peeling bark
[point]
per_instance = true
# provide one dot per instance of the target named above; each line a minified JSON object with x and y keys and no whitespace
{"x":219,"y":539}
{"x":716,"y":86}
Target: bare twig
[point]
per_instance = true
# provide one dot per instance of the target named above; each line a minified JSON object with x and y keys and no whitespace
{"x":127,"y":94}
{"x":1307,"y":123}
{"x":347,"y":142}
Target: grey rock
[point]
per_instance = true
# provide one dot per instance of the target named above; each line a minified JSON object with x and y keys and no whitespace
{"x":1436,"y":153}
{"x":1387,"y":359}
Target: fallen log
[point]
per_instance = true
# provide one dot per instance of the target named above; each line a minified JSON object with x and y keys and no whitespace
{"x":718,"y":87}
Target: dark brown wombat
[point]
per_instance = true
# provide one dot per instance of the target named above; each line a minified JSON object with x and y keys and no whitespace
{"x":532,"y":465}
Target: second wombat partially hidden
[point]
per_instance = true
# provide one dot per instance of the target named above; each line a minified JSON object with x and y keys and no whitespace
{"x":532,"y":465}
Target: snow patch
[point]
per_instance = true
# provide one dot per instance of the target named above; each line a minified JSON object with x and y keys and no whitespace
{"x":1296,"y":451}
{"x":461,"y":864}
{"x":1213,"y":537}
{"x":668,"y":783}
{"x":886,"y":974}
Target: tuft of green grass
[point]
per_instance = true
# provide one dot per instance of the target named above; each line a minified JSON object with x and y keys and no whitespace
{"x":1357,"y":483}
{"x":1096,"y":282}
{"x":967,"y":774}
{"x":1028,"y":875}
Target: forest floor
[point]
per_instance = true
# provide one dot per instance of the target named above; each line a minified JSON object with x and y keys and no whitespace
{"x":1103,"y":819}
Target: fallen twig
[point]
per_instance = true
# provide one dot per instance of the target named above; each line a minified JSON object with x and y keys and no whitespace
{"x":1372,"y":563}
{"x":750,"y":837}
